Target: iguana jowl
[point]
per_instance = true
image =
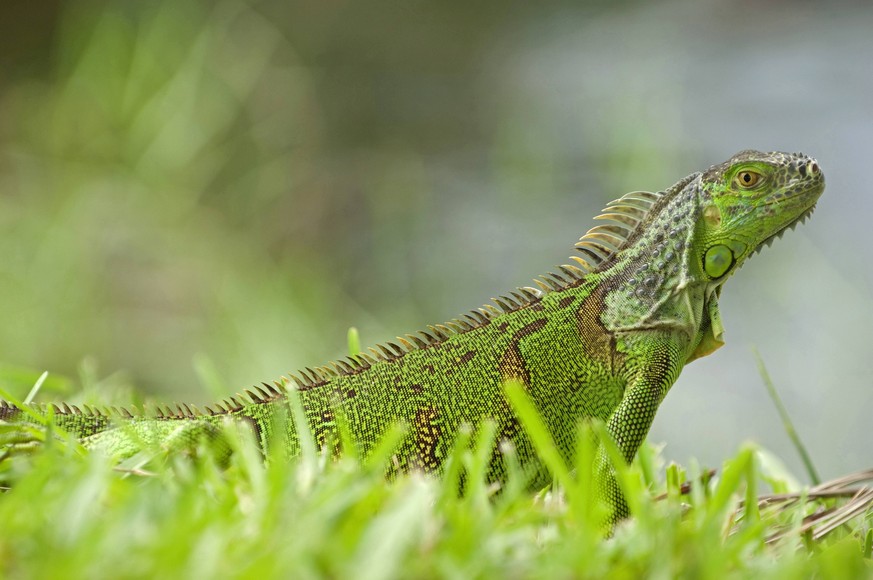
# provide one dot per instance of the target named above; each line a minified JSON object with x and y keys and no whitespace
{"x":604,"y":338}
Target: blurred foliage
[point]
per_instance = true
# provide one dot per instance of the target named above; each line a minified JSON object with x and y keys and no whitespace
{"x":152,"y":185}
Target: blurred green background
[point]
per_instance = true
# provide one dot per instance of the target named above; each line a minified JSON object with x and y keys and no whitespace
{"x":203,"y":195}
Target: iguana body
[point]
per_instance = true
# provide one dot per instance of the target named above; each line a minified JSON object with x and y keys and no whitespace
{"x":604,"y":339}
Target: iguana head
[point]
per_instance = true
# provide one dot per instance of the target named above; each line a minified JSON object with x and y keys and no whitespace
{"x":748,"y":201}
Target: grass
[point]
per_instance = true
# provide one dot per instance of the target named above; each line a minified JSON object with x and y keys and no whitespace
{"x":71,"y":514}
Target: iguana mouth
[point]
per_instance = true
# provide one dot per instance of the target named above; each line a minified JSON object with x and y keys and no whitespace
{"x":789,"y":226}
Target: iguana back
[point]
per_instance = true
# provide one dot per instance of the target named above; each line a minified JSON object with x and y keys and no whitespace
{"x":602,"y":339}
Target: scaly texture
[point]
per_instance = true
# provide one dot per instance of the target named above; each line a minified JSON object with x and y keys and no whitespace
{"x":603,"y":339}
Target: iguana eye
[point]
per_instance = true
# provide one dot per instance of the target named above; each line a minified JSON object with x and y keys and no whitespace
{"x":747,"y":179}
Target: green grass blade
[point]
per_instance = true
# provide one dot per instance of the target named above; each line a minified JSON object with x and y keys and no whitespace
{"x":354,"y":341}
{"x":787,"y":424}
{"x":539,"y":434}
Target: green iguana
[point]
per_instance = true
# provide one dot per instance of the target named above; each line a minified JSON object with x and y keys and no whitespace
{"x":602,"y":339}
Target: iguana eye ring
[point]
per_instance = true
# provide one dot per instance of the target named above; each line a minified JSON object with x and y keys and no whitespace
{"x":747,"y":179}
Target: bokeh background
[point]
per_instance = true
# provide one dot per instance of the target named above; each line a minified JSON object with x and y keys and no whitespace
{"x":196,"y":196}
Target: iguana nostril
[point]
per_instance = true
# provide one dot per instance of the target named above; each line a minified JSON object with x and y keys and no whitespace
{"x":813,"y":168}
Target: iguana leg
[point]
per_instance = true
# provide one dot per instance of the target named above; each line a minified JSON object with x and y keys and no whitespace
{"x":652,"y":373}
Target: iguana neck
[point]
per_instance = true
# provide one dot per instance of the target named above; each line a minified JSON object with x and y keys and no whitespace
{"x":654,"y":282}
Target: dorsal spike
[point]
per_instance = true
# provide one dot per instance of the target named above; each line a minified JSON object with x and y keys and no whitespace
{"x":513,"y":300}
{"x":629,"y":202}
{"x":642,"y":199}
{"x":557,"y":277}
{"x":455,"y":327}
{"x":605,"y":249}
{"x":530,"y":294}
{"x":610,"y":242}
{"x":549,"y":285}
{"x":519,"y":298}
{"x":629,"y":209}
{"x":504,"y":304}
{"x":571,"y":271}
{"x":346,"y":368}
{"x":592,"y":255}
{"x":443,"y":331}
{"x":427,"y":338}
{"x":543,"y":286}
{"x":617,"y":230}
{"x":597,"y":251}
{"x":621,"y":218}
{"x":587,"y":267}
{"x":644,"y":196}
{"x":490,"y":311}
{"x":410,"y":342}
{"x":474,"y":316}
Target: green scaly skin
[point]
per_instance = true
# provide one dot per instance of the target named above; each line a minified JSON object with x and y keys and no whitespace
{"x":603,"y":339}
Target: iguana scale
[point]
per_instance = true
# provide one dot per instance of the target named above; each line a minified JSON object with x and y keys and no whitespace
{"x":604,"y":338}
